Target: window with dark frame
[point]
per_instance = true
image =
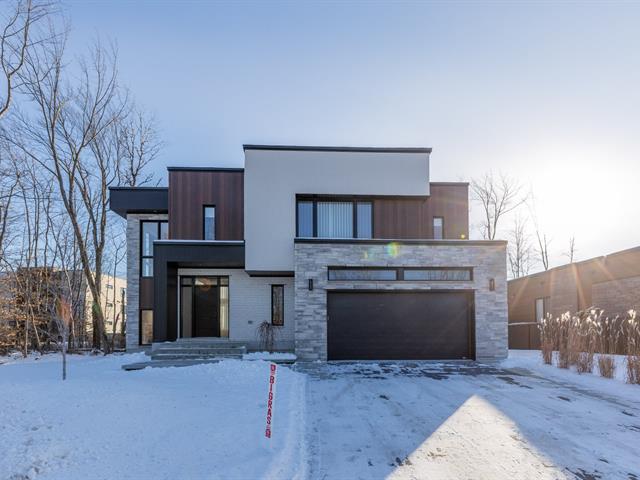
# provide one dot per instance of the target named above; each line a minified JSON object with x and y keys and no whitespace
{"x":277,"y":305}
{"x":409,"y":274}
{"x":334,"y":218}
{"x":438,"y":228}
{"x":146,"y":327}
{"x":150,"y":230}
{"x":542,"y":308}
{"x":209,"y":222}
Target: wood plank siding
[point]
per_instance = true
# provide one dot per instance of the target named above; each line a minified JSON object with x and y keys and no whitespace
{"x":412,"y":218}
{"x":191,"y":190}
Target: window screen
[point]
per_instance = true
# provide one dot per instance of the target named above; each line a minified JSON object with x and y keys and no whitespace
{"x":335,"y":219}
{"x":364,"y":219}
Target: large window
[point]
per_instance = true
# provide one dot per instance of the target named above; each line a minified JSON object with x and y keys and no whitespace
{"x":277,"y":305}
{"x":146,"y":327}
{"x":305,"y":219}
{"x":438,"y":228}
{"x":408,"y":274}
{"x":334,"y":218}
{"x":209,"y":226}
{"x":150,"y":232}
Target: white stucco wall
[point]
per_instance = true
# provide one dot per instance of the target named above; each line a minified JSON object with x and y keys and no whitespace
{"x":272,"y":178}
{"x":250,"y":305}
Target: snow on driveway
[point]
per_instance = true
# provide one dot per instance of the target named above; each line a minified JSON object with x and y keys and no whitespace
{"x":457,"y":421}
{"x":200,"y":422}
{"x":341,"y":421}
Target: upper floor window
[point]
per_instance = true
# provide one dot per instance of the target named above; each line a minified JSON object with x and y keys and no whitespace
{"x":151,"y":230}
{"x":438,"y":228}
{"x":328,"y":218}
{"x":209,"y":226}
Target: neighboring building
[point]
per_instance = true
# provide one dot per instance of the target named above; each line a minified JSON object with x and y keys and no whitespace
{"x":611,"y":282}
{"x":44,"y":283}
{"x":113,"y":302}
{"x":351,"y":253}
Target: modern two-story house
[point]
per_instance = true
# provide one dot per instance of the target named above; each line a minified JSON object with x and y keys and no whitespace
{"x":350,"y":253}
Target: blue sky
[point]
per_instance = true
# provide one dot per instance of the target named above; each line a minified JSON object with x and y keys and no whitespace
{"x":547,"y":93}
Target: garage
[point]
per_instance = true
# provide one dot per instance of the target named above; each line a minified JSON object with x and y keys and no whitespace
{"x":400,"y":325}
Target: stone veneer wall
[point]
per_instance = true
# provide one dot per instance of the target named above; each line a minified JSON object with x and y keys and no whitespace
{"x":133,"y":276}
{"x":488,"y":260}
{"x":617,"y":297}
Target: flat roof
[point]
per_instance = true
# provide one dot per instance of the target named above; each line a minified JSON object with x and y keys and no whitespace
{"x":577,"y":263}
{"x":205,"y":169}
{"x":310,"y":148}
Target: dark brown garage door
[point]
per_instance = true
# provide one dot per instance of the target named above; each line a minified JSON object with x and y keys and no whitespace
{"x":400,"y":325}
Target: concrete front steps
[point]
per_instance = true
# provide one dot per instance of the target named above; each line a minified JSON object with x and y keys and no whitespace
{"x":186,"y":352}
{"x":197,"y":349}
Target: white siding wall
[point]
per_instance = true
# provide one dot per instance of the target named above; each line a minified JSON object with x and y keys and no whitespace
{"x":250,"y":305}
{"x":272,"y":178}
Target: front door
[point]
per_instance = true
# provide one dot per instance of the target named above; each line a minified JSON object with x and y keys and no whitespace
{"x":204,"y":306}
{"x":205,"y":310}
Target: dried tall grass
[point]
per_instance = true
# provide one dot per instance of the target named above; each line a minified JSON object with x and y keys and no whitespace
{"x":607,"y":335}
{"x":577,"y":338}
{"x":631,"y":333}
{"x":548,"y":338}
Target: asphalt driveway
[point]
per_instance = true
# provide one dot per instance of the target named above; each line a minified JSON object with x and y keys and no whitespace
{"x":464,"y":421}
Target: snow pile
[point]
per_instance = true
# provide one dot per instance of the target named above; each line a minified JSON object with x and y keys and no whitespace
{"x":205,"y":421}
{"x":269,"y":356}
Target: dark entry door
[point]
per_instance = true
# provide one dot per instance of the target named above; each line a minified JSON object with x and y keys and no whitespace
{"x":400,"y":325}
{"x":205,"y":311}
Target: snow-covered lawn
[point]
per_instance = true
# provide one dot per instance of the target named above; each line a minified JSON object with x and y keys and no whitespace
{"x":331,"y":421}
{"x":532,"y":361}
{"x":204,"y":421}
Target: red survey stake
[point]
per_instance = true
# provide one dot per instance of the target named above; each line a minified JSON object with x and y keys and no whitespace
{"x":270,"y":399}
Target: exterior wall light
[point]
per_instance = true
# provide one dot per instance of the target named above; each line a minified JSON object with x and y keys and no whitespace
{"x":492,"y":284}
{"x":310,"y":284}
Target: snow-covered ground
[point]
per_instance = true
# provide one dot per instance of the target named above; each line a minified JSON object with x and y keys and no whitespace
{"x":331,"y":421}
{"x":204,"y":421}
{"x":532,"y":360}
{"x":270,"y":356}
{"x":451,"y":421}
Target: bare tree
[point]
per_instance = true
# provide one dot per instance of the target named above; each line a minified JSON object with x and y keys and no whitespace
{"x":543,"y":248}
{"x":571,"y":253}
{"x":118,"y":253}
{"x":520,"y":250}
{"x":66,"y":140}
{"x":497,"y":196}
{"x":543,"y":242}
{"x":138,"y":146}
{"x":65,"y":307}
{"x":16,"y":39}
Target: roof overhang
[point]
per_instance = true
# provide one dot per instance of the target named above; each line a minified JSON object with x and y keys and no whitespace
{"x":337,"y":149}
{"x":126,"y":200}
